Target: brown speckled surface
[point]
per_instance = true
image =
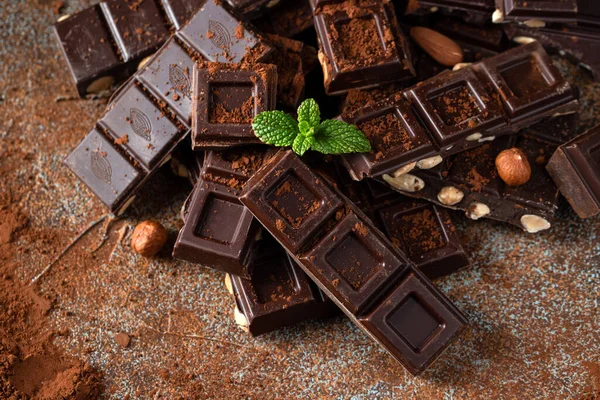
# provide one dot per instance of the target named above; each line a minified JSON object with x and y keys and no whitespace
{"x":533,"y":300}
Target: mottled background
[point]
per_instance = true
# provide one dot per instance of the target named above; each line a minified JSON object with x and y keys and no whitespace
{"x":532,"y":300}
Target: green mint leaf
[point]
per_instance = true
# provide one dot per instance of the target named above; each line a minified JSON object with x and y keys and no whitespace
{"x":302,"y":143}
{"x":309,"y":112}
{"x":337,"y":137}
{"x":275,"y":127}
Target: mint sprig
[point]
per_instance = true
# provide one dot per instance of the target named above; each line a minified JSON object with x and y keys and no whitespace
{"x":331,"y":136}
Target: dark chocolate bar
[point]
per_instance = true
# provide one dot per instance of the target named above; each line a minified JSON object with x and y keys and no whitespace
{"x":338,"y":247}
{"x":575,"y":168}
{"x":472,"y":11}
{"x":288,"y":19}
{"x":536,"y":13}
{"x":151,"y":113}
{"x":226,"y":99}
{"x":219,"y":232}
{"x":361,"y":44}
{"x":470,"y":182}
{"x":250,"y":9}
{"x":458,"y":110}
{"x":103,"y":44}
{"x":581,"y":45}
{"x":279,"y":293}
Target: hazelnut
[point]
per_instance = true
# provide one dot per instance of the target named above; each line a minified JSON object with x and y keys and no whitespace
{"x":148,"y":238}
{"x":533,"y":224}
{"x":477,"y":210}
{"x":513,"y":167}
{"x":450,"y":196}
{"x":406,"y":182}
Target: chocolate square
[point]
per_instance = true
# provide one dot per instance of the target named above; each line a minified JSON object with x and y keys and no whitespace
{"x":361,"y":46}
{"x":455,"y":105}
{"x":584,"y":154}
{"x":298,"y":205}
{"x":169,"y":76}
{"x":150,"y":134}
{"x":526,"y":79}
{"x":105,"y":171}
{"x":413,"y":324}
{"x":226,"y":101}
{"x":354,"y":261}
{"x":87,"y":46}
{"x":136,"y":25}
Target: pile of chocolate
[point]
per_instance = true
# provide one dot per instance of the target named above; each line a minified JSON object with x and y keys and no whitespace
{"x":459,"y":99}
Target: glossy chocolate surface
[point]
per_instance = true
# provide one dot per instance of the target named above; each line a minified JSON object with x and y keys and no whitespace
{"x":279,"y":293}
{"x":361,"y":45}
{"x":458,"y":110}
{"x":531,"y":11}
{"x":474,"y":174}
{"x":472,"y":11}
{"x":219,"y":232}
{"x":352,"y":262}
{"x":110,"y":38}
{"x":575,"y":168}
{"x":226,"y":100}
{"x":151,"y":113}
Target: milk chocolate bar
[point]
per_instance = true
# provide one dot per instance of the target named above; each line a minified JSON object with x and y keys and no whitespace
{"x":103,"y":44}
{"x":575,"y":168}
{"x":151,"y":113}
{"x":470,"y":182}
{"x":278,"y":294}
{"x":219,"y":232}
{"x":226,"y":99}
{"x":458,"y":110}
{"x":360,"y":44}
{"x":338,"y":247}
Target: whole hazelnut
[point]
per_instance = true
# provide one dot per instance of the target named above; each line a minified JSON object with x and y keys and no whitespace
{"x":513,"y":167}
{"x":148,"y":238}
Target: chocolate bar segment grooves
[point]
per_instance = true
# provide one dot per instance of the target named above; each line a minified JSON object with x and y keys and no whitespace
{"x":352,"y":262}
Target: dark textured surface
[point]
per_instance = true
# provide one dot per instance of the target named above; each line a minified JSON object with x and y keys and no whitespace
{"x":532,"y":299}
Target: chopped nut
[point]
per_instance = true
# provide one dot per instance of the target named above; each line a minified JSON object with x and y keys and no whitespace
{"x":449,"y":195}
{"x":474,"y":136}
{"x":148,"y":238}
{"x":228,"y":284}
{"x":498,"y":16}
{"x":143,"y":62}
{"x":241,"y":320}
{"x":523,"y":39}
{"x":100,"y":85}
{"x":272,"y":3}
{"x":487,"y":139}
{"x":405,"y":169}
{"x":533,"y":223}
{"x":513,"y":167}
{"x":63,"y":17}
{"x":428,"y":163}
{"x":534,"y":23}
{"x":477,"y":210}
{"x":406,"y":182}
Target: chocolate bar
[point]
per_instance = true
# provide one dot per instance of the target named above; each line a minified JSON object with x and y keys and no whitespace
{"x":226,"y":99}
{"x":219,"y":232}
{"x":103,"y":44}
{"x":472,"y":11}
{"x":575,"y":168}
{"x":581,"y":45}
{"x":279,"y":293}
{"x":588,"y":13}
{"x":151,"y":113}
{"x":250,"y":9}
{"x":470,"y":182}
{"x":458,"y":110}
{"x":352,"y":262}
{"x":360,"y":44}
{"x":289,"y":18}
{"x":536,"y":13}
{"x":422,"y":230}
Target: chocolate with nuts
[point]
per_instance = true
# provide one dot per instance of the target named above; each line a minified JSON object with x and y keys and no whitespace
{"x":469,"y":181}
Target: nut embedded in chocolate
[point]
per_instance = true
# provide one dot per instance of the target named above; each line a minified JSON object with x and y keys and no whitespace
{"x":513,"y":167}
{"x":148,"y":238}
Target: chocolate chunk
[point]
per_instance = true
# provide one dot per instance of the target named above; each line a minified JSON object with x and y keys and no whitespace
{"x":226,"y":99}
{"x":575,"y":168}
{"x":108,"y":40}
{"x":279,"y":293}
{"x":219,"y":232}
{"x":289,"y":18}
{"x":154,"y":107}
{"x":459,"y":110}
{"x":352,"y":262}
{"x":536,"y":13}
{"x":472,"y":11}
{"x":469,"y":181}
{"x":361,"y":45}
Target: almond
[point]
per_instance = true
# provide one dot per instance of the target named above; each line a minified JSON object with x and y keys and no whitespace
{"x":441,"y":48}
